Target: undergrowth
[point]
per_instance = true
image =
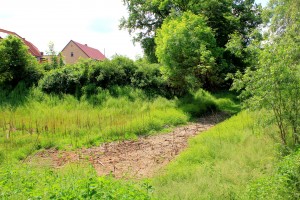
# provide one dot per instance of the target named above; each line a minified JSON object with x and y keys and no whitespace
{"x":74,"y":181}
{"x":283,"y":183}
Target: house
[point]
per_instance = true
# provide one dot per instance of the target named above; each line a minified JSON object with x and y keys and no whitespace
{"x":74,"y":50}
{"x":33,"y":50}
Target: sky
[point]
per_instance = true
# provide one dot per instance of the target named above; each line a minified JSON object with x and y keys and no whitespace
{"x":91,"y":22}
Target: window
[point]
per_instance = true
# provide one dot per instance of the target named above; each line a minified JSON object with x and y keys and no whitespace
{"x":72,"y":54}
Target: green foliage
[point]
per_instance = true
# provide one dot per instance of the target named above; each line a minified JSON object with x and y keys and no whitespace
{"x":274,"y":82}
{"x":88,"y":77}
{"x":16,"y":63}
{"x":15,"y":97}
{"x":118,"y":71}
{"x":66,"y":80}
{"x":77,"y":181}
{"x":283,"y":183}
{"x":223,"y":16}
{"x":198,"y":103}
{"x":281,"y":16}
{"x":149,"y":78}
{"x":187,"y":47}
{"x":221,"y":162}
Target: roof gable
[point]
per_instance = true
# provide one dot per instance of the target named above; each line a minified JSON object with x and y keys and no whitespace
{"x":32,"y":49}
{"x":90,"y":52}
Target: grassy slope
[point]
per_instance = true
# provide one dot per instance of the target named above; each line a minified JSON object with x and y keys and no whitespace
{"x":220,"y":163}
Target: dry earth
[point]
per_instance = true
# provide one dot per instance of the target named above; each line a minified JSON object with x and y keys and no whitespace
{"x":132,"y":159}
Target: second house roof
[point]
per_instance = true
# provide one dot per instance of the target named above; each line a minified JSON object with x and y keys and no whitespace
{"x":90,"y":52}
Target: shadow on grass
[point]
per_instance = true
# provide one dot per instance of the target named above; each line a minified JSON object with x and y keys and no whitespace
{"x":13,"y":97}
{"x":202,"y":103}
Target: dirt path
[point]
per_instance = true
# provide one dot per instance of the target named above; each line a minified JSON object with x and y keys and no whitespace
{"x":133,"y":159}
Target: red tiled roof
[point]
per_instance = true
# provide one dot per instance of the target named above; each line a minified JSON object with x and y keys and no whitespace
{"x":32,"y":49}
{"x":90,"y":52}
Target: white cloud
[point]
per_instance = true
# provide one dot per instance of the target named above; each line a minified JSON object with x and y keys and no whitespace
{"x":92,"y":22}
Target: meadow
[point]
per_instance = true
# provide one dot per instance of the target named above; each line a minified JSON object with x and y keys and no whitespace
{"x":32,"y":120}
{"x":63,"y":122}
{"x":233,"y":160}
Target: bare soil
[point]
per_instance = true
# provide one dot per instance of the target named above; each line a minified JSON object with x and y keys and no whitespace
{"x":136,"y":159}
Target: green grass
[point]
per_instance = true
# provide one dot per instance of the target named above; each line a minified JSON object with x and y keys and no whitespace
{"x":74,"y":181}
{"x":283,"y":183}
{"x":46,"y":121}
{"x":220,"y":163}
{"x":31,"y":120}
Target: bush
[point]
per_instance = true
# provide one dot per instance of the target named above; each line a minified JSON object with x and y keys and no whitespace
{"x":149,"y":78}
{"x":16,"y":63}
{"x":67,"y":80}
{"x":108,"y":73}
{"x":125,"y":68}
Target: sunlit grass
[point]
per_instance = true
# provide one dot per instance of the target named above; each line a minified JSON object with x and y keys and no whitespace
{"x":73,"y":181}
{"x":220,"y":163}
{"x":46,"y":121}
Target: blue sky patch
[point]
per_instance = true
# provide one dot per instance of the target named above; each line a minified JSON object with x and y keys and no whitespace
{"x":103,"y":25}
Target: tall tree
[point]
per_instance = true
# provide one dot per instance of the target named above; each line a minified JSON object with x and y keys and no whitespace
{"x":187,"y":48}
{"x":224,"y":17}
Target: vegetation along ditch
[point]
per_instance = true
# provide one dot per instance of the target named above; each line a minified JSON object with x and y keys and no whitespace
{"x":210,"y":111}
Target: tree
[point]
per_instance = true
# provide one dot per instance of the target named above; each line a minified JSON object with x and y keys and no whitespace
{"x":273,"y":83}
{"x":16,"y":63}
{"x":225,"y":17}
{"x":55,"y":61}
{"x":187,"y":48}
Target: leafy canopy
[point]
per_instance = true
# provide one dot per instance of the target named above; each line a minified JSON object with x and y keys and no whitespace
{"x":187,"y":48}
{"x":223,"y":16}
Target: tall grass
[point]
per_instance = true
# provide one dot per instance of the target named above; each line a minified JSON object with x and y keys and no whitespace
{"x":283,"y":183}
{"x":220,"y":163}
{"x":32,"y":120}
{"x":46,"y":121}
{"x":201,"y":102}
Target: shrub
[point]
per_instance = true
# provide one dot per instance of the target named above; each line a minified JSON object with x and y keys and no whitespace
{"x":63,"y":80}
{"x":16,"y":63}
{"x":125,"y":68}
{"x":149,"y":78}
{"x":187,"y":48}
{"x":108,"y":73}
